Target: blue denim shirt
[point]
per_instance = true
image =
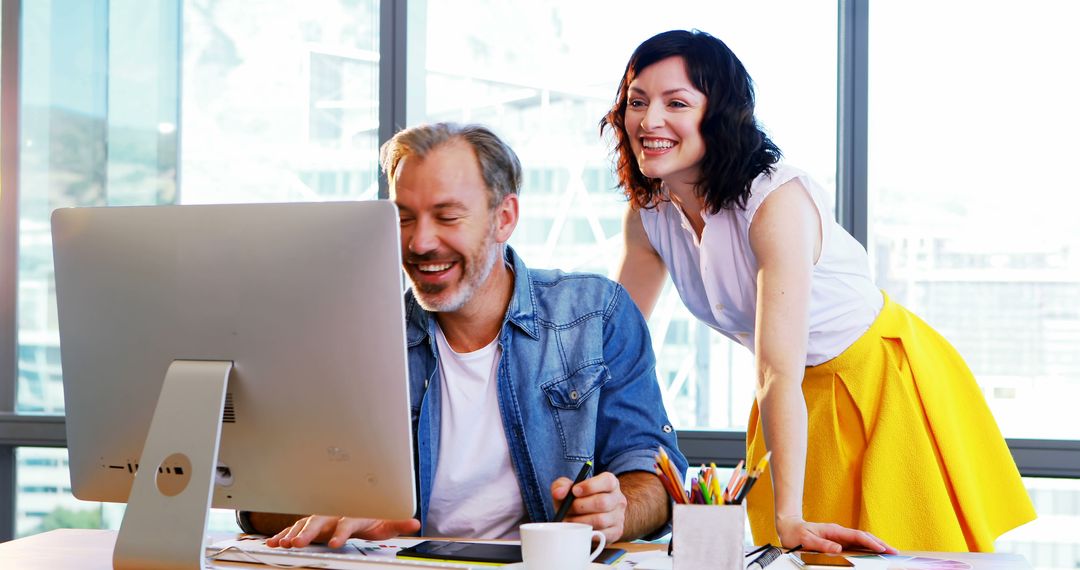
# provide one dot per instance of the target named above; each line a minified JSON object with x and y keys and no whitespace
{"x":576,"y":382}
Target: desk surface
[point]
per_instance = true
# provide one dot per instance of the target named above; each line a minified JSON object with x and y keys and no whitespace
{"x":67,"y":549}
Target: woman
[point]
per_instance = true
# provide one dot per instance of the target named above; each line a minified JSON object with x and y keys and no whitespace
{"x":874,"y":420}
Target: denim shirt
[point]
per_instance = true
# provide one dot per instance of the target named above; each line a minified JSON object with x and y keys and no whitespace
{"x":575,"y":382}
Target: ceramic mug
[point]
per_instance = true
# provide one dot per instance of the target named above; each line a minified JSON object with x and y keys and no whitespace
{"x":559,"y":545}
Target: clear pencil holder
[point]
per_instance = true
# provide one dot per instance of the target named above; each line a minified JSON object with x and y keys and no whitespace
{"x":708,"y":536}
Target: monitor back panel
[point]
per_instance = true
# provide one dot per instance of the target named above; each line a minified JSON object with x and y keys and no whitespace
{"x":305,"y":299}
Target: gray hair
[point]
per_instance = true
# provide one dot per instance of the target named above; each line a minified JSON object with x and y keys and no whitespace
{"x":499,"y":165}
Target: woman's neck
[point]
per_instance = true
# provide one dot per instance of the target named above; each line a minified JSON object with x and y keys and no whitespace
{"x":685,"y":196}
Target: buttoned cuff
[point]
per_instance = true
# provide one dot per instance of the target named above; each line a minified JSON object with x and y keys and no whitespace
{"x":642,"y":460}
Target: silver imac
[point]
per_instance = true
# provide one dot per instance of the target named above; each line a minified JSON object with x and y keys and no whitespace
{"x":249,"y":356}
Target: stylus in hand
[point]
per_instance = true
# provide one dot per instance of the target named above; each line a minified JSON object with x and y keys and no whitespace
{"x":565,"y":508}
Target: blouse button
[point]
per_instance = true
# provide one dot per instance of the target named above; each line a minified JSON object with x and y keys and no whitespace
{"x":719,"y":307}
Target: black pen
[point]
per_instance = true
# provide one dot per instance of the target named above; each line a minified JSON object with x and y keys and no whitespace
{"x":565,"y":508}
{"x":767,"y":557}
{"x":770,"y":554}
{"x":765,"y":546}
{"x":744,"y":491}
{"x":754,"y":475}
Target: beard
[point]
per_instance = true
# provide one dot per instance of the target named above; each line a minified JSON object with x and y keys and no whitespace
{"x":450,"y":297}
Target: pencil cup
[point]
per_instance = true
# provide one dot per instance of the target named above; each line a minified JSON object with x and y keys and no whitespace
{"x":708,"y":536}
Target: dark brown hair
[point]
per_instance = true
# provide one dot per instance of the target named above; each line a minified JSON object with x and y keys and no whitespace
{"x":736,"y":149}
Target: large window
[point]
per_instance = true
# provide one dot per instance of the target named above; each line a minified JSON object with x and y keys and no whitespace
{"x":545,"y":82}
{"x":971,"y":207}
{"x":273,"y":105}
{"x":98,"y":114}
{"x":279,"y":101}
{"x":972,"y":211}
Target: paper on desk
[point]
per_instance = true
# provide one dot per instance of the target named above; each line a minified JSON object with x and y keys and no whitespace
{"x":645,"y":559}
{"x":373,"y":551}
{"x":659,"y":560}
{"x":367,"y":553}
{"x":388,"y":547}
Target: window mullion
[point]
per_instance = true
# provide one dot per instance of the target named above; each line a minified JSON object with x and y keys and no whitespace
{"x":851,"y":117}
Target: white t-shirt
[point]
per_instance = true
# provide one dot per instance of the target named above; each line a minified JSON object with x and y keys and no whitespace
{"x":475,"y":493}
{"x":717,"y":276}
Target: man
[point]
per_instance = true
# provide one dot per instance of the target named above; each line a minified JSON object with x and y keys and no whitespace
{"x":517,"y":376}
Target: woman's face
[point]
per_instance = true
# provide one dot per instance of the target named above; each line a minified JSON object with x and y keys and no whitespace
{"x":663,"y":121}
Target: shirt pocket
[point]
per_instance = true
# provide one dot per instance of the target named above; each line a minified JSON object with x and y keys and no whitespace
{"x":574,"y":401}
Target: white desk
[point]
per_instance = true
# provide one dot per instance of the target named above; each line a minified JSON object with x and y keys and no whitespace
{"x":68,"y":549}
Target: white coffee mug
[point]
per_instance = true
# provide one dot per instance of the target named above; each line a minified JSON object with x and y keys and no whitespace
{"x":559,"y":545}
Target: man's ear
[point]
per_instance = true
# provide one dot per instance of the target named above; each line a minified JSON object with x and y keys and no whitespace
{"x":506,"y":218}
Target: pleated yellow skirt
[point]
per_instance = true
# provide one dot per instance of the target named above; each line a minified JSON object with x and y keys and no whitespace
{"x":901,"y":444}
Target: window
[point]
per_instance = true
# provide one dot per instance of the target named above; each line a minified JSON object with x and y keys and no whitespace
{"x":544,"y":83}
{"x":971,"y":219}
{"x":44,"y":500}
{"x":279,"y":104}
{"x":98,"y":113}
{"x":276,"y":105}
{"x":1050,"y":540}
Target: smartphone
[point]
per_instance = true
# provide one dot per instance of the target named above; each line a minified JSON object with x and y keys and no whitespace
{"x":467,"y":551}
{"x":484,"y":552}
{"x":815,"y":561}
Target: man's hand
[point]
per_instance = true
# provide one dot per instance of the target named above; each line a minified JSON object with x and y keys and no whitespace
{"x":598,"y":502}
{"x":334,"y":531}
{"x":827,"y":537}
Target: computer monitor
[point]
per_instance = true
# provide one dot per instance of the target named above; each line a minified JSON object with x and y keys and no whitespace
{"x":256,"y":350}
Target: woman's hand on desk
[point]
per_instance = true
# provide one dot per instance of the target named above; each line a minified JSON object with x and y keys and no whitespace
{"x":827,"y":537}
{"x":334,"y":531}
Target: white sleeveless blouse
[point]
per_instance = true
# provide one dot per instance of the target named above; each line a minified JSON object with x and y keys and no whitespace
{"x":717,"y":277}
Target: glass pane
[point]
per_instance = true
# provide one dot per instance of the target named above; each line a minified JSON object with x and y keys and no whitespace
{"x":972,"y":225}
{"x":98,"y":113}
{"x":1048,"y":542}
{"x":280,"y":101}
{"x":43,"y":499}
{"x":545,"y":82}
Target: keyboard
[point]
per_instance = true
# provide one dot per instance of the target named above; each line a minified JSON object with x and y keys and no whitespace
{"x":356,"y":555}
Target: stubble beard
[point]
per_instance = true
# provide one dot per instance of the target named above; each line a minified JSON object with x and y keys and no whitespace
{"x":478,"y":267}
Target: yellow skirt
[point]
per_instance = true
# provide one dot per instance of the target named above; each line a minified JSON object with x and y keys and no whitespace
{"x":901,"y":444}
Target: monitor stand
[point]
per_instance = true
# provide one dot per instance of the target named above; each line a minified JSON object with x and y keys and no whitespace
{"x":166,"y":516}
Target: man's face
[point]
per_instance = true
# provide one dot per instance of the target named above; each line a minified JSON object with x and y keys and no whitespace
{"x":450,"y":236}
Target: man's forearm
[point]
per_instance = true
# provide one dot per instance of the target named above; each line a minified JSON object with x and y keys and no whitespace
{"x":270,"y":523}
{"x":647,"y":505}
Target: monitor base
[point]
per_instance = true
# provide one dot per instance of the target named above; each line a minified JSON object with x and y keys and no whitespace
{"x":165,"y":521}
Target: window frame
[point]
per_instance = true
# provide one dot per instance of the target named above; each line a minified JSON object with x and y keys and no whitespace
{"x":11,"y":426}
{"x":398,"y":68}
